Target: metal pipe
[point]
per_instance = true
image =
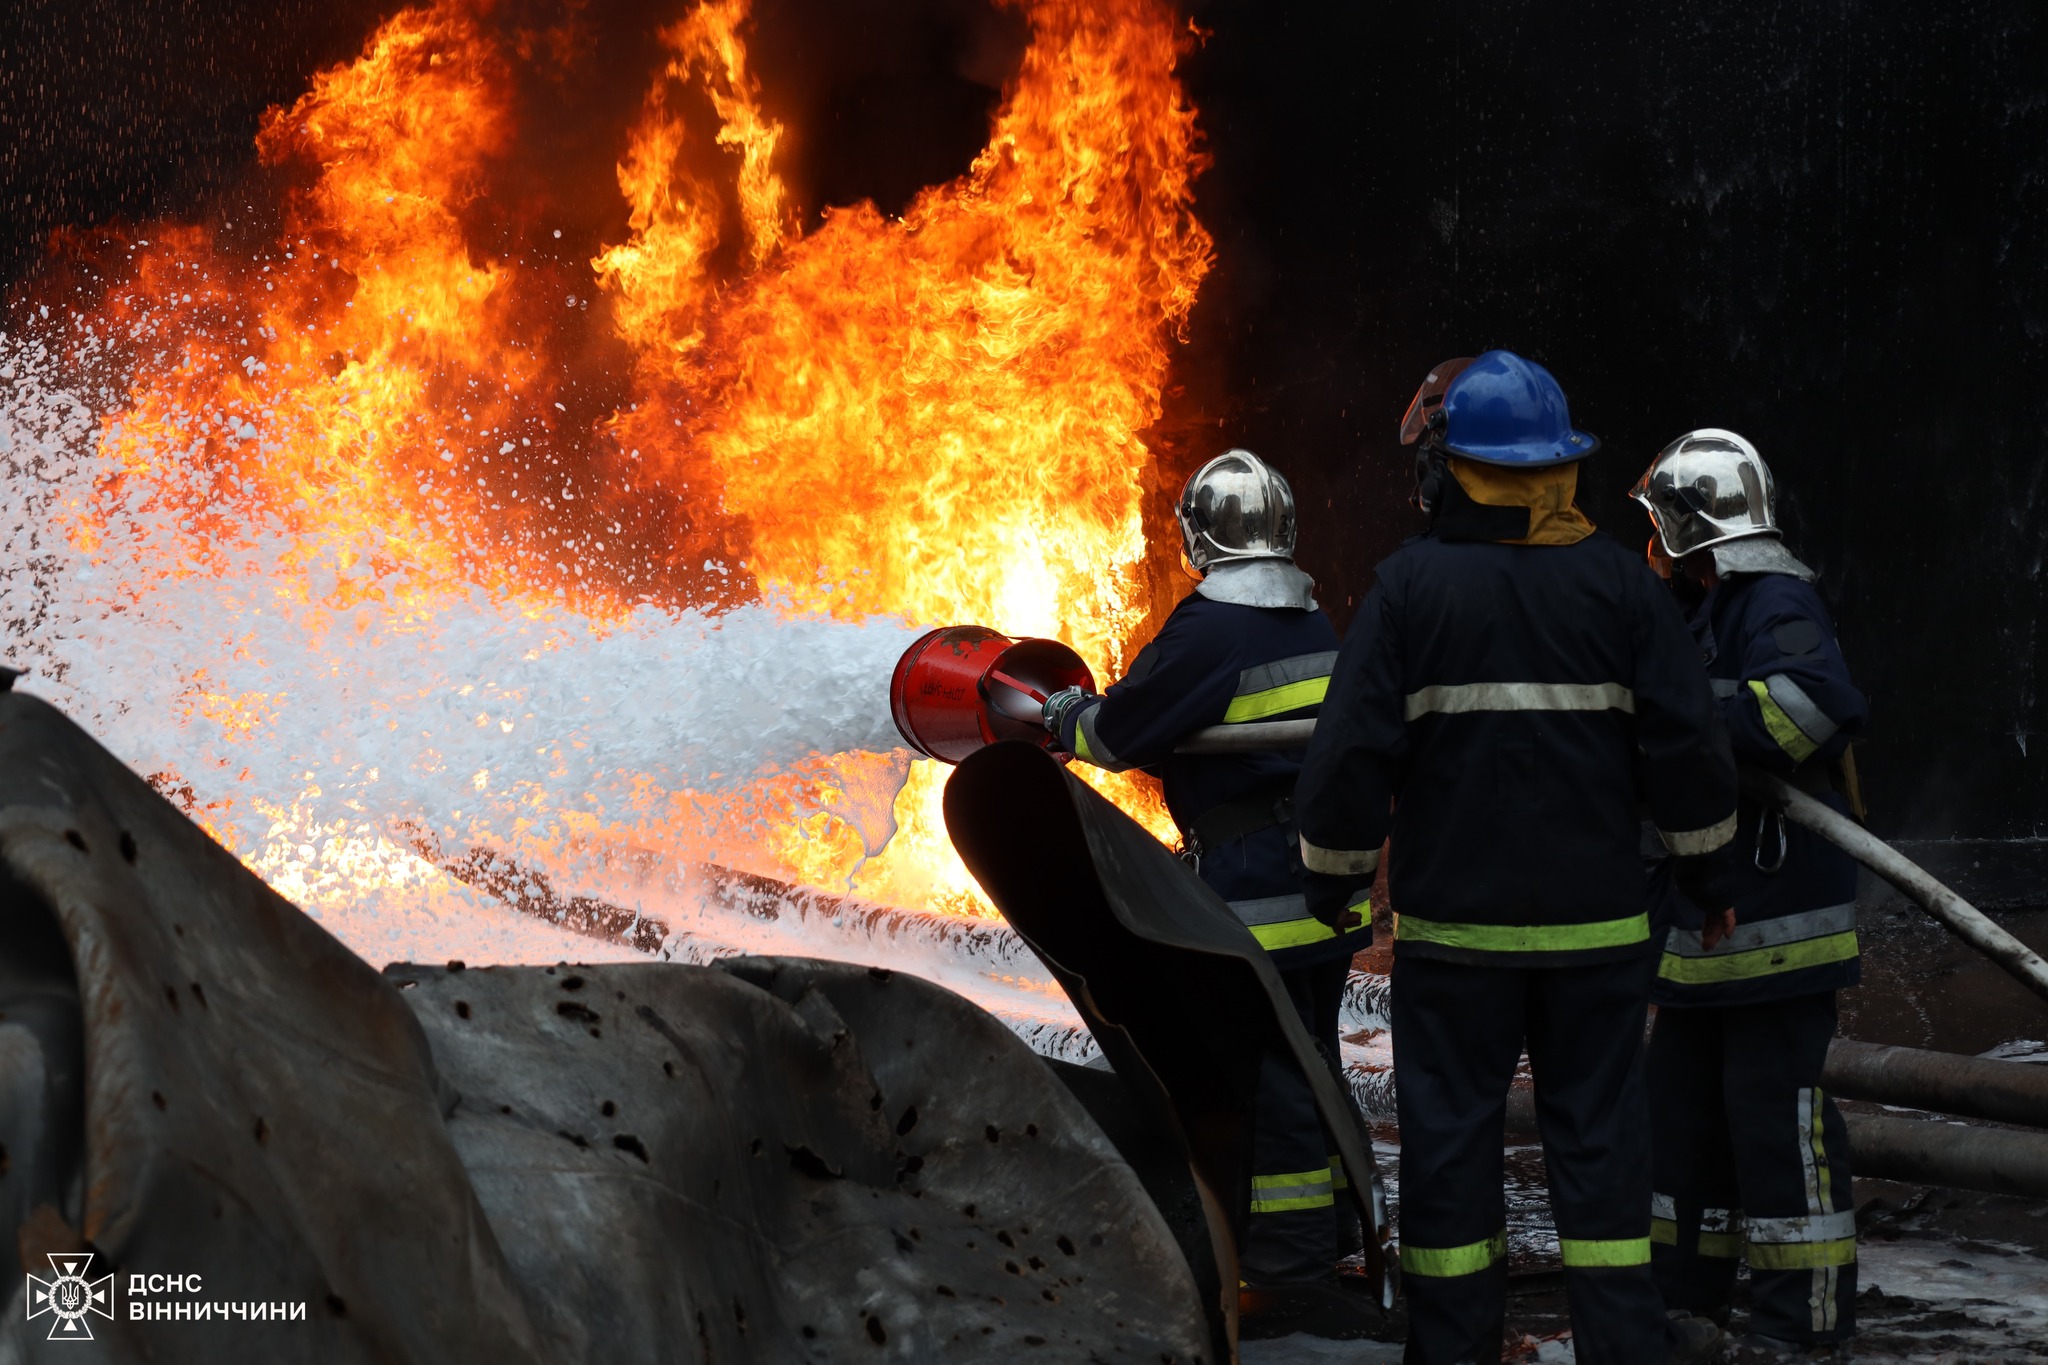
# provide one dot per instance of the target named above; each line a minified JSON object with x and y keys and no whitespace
{"x":1914,"y":1151}
{"x":1963,"y":919}
{"x":1912,"y":1078}
{"x":1962,"y":1156}
{"x":1972,"y":1087}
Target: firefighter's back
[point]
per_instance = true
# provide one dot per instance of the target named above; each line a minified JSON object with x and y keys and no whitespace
{"x":1518,"y":693}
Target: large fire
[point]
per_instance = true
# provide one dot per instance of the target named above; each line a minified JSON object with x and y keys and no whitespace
{"x":387,"y":380}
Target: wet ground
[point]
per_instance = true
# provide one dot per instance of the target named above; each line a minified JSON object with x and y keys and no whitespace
{"x":1948,"y":1276}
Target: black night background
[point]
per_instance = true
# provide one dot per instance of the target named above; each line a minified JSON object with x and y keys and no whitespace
{"x":1823,"y":226}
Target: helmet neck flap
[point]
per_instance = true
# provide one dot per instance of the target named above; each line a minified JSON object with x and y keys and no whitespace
{"x":1493,"y":409}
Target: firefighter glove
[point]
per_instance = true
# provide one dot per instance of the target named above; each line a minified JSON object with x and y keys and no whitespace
{"x":1062,"y":704}
{"x":1342,"y":902}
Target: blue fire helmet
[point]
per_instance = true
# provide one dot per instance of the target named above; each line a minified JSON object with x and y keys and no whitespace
{"x":1501,"y":409}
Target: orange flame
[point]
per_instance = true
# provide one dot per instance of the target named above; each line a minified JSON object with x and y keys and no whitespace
{"x":938,"y":416}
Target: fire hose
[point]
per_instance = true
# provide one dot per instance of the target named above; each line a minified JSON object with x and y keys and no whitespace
{"x":1924,"y":1150}
{"x":960,"y":689}
{"x":2000,"y":1160}
{"x":1961,"y":918}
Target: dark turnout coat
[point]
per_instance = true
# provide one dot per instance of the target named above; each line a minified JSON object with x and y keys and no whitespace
{"x":1784,"y":690}
{"x":1221,"y":663}
{"x":1503,"y":711}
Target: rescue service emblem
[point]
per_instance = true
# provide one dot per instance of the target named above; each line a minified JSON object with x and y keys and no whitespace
{"x":70,"y":1298}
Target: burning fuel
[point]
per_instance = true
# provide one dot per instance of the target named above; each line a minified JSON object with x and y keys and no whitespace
{"x":359,"y":506}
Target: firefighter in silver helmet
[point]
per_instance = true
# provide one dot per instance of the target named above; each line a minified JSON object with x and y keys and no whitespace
{"x":1236,"y":516}
{"x":1247,"y":644}
{"x":1749,"y":1156}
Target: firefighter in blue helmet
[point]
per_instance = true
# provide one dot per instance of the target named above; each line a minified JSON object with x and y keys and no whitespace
{"x":1248,"y":644}
{"x":1750,"y":1156}
{"x":1515,"y":687}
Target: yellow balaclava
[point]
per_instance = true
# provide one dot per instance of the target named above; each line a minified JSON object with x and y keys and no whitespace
{"x":1547,"y":491}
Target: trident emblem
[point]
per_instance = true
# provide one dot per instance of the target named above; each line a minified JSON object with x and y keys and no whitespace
{"x":70,"y":1297}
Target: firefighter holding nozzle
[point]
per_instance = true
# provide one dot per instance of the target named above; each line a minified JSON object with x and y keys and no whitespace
{"x":1249,"y":644}
{"x":1513,"y":690}
{"x":1751,"y":1157}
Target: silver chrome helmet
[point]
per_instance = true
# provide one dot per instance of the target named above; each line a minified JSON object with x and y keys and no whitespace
{"x":1706,"y":488}
{"x":1235,"y":507}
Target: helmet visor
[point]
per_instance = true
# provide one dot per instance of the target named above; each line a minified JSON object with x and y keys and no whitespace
{"x":1429,"y":399}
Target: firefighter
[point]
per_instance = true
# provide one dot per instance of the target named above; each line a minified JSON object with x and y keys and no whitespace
{"x":1513,"y":687}
{"x":1750,"y":1158}
{"x":1247,"y":644}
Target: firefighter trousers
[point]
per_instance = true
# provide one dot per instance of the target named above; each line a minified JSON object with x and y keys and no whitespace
{"x":1459,"y":1032}
{"x":1302,"y":1219}
{"x":1751,"y":1159}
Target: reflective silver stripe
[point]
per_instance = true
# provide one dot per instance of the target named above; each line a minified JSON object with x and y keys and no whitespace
{"x":1274,"y":1193}
{"x":1098,"y":753}
{"x":1457,"y":699}
{"x":1711,"y":1220}
{"x":1800,"y":709}
{"x":1686,"y":843}
{"x":1272,"y":909}
{"x":1769,"y":933}
{"x":1268,"y":1195}
{"x":1280,"y":672}
{"x":1826,"y":1227}
{"x":1338,"y":862}
{"x":1725,"y":688}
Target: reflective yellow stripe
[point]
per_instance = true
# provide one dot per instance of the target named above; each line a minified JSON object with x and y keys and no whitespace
{"x":1292,"y":1190}
{"x":1445,"y":1262}
{"x":1724,"y":1246}
{"x":1782,"y":728}
{"x":1721,"y":1245}
{"x":1824,"y":1176}
{"x":1800,"y":1255}
{"x":1767,"y":933}
{"x":1526,"y":938}
{"x":1338,"y":1180}
{"x":1801,"y":709}
{"x":1291,"y":933}
{"x":1313,"y":1201}
{"x":1088,"y":745}
{"x":1579,"y":1254}
{"x":1714,"y":1239}
{"x":1783,"y":957}
{"x":1274,"y":700}
{"x":1823,"y":1254}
